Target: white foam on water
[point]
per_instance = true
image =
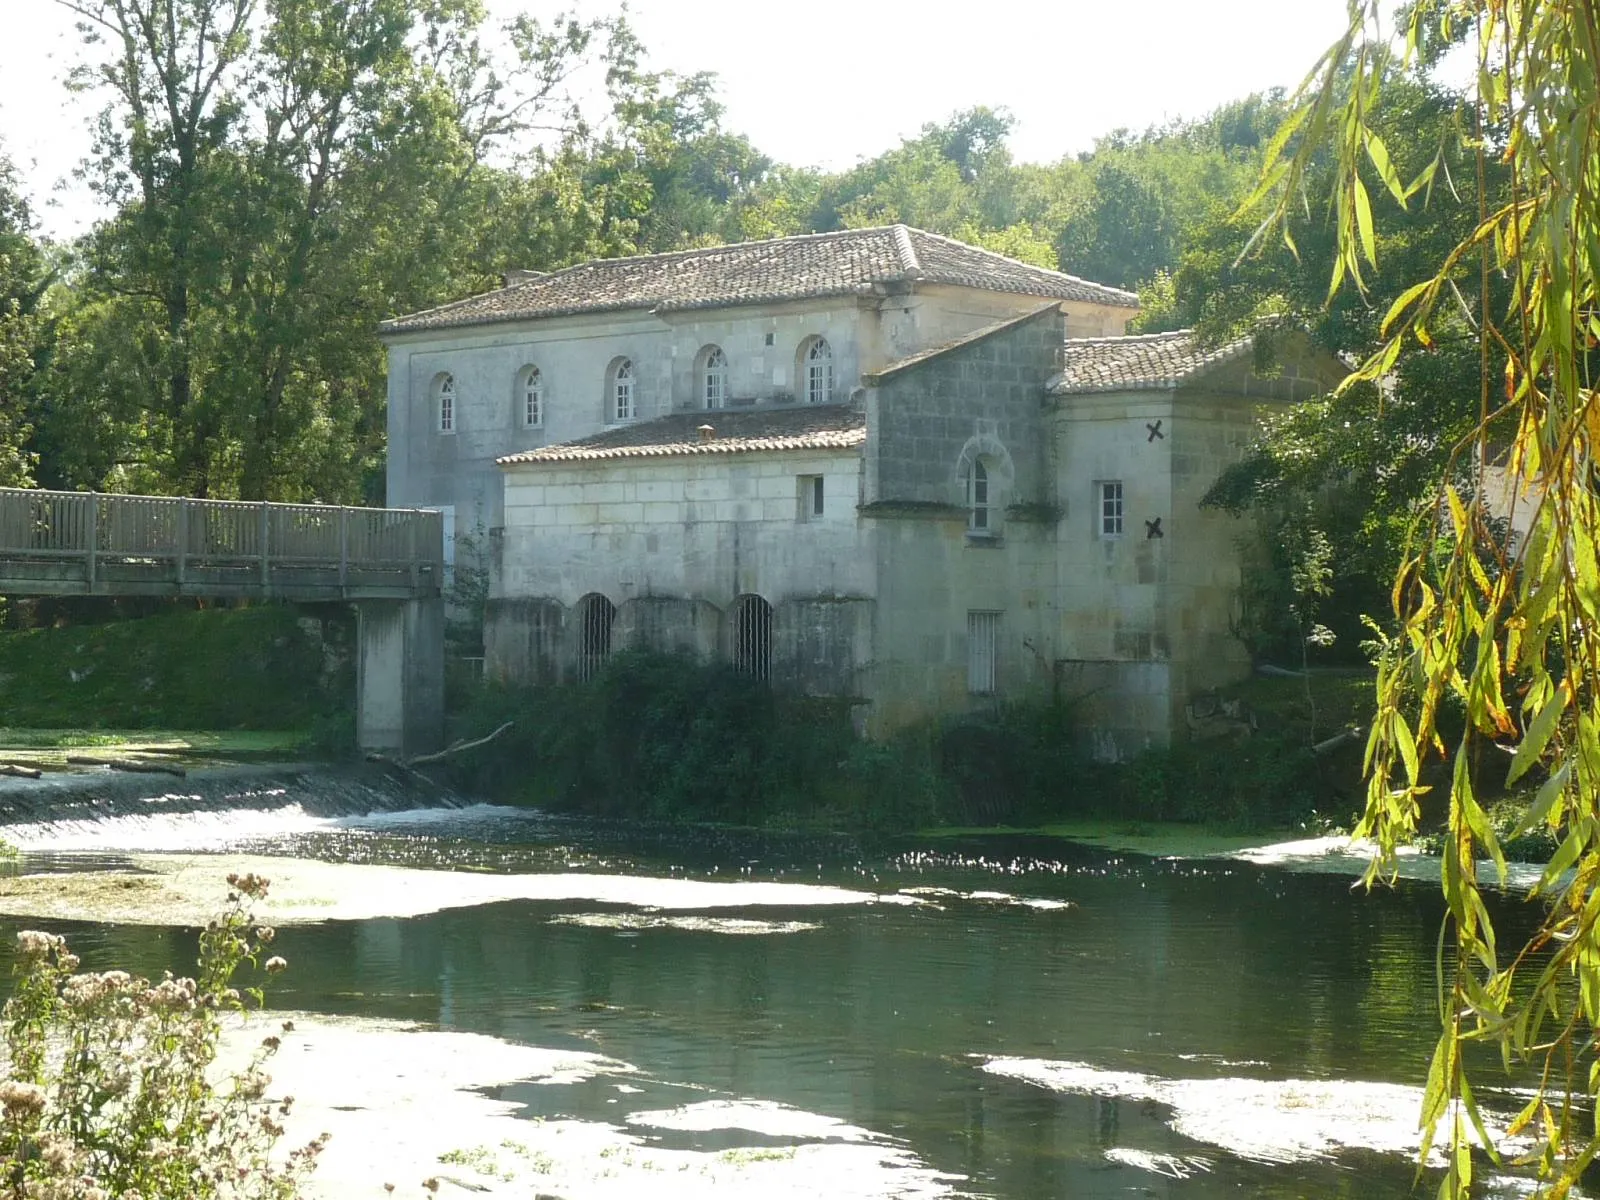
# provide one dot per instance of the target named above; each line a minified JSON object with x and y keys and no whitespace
{"x":213,"y":830}
{"x":403,"y":1105}
{"x":183,"y":889}
{"x":753,"y":1116}
{"x":1170,"y":1165}
{"x":944,"y":893}
{"x":1263,"y":1120}
{"x":1343,"y":855}
{"x":737,"y":926}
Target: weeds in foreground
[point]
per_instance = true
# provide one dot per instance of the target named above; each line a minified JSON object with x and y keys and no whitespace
{"x":107,"y":1092}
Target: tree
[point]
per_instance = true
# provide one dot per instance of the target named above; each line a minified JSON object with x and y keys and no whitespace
{"x":1507,"y":627}
{"x":23,"y":330}
{"x":1352,"y":467}
{"x":285,"y":174}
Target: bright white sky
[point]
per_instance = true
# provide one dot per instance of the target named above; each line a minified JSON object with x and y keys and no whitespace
{"x":827,"y":82}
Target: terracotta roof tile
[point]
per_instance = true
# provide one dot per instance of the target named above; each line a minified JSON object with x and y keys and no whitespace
{"x":802,"y":427}
{"x":1157,"y":360}
{"x":846,"y":263}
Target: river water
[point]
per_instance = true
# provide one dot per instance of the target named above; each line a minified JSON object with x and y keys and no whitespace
{"x":1009,"y":1019}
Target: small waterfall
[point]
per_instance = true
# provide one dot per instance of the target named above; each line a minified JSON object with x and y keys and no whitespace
{"x":211,"y":809}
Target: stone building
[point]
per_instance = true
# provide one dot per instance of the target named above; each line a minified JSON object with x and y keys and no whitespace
{"x":877,"y":463}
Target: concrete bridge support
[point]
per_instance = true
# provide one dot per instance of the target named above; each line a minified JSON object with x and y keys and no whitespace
{"x":400,"y":675}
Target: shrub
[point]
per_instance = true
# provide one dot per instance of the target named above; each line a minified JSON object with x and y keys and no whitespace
{"x":664,"y":738}
{"x":106,"y":1090}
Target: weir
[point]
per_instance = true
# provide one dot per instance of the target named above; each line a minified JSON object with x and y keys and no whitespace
{"x":388,"y":562}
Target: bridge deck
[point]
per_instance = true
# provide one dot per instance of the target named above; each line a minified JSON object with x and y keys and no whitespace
{"x":80,"y":543}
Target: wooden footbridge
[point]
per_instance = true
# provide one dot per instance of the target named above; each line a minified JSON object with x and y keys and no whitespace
{"x":89,"y":543}
{"x":388,"y":562}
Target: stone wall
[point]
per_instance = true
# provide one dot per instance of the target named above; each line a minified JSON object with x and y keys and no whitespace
{"x":925,"y":421}
{"x":819,"y":646}
{"x":673,"y":542}
{"x":430,"y":468}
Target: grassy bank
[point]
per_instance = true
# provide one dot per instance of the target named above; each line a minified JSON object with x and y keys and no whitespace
{"x":262,"y":668}
{"x":659,"y":738}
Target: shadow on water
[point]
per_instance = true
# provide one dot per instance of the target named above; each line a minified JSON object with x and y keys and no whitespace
{"x":884,"y":1015}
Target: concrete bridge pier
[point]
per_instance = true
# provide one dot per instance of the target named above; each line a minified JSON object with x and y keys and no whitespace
{"x":400,"y":675}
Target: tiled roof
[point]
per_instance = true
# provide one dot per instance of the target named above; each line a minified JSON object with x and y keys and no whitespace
{"x":1156,"y":360}
{"x":803,"y":427}
{"x":850,"y":262}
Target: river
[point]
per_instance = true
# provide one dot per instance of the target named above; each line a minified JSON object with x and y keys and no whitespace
{"x":1011,"y":1019}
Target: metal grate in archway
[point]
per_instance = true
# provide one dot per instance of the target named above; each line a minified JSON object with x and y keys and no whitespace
{"x":595,"y":617}
{"x":752,"y":636}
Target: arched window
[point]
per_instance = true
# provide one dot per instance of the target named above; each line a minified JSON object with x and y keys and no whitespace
{"x":752,"y":637}
{"x":444,"y":399}
{"x":816,"y":371}
{"x":978,"y":510}
{"x":714,"y":377}
{"x":530,"y":398}
{"x":984,"y":481}
{"x":595,"y":617}
{"x":620,"y":391}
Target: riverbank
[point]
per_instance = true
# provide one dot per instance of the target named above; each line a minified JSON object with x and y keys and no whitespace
{"x":660,"y":738}
{"x":266,"y":668}
{"x":666,"y":739}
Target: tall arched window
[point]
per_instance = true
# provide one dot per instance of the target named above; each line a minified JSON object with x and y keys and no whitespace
{"x":714,"y":378}
{"x":444,"y":400}
{"x":595,"y":617}
{"x":978,"y":497}
{"x":752,"y":636}
{"x":816,"y":371}
{"x":620,"y":391}
{"x":530,"y":398}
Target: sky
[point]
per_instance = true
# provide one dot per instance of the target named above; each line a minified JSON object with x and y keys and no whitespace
{"x":823,"y":84}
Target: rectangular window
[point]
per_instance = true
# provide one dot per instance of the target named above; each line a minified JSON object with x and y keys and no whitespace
{"x":1111,"y":508}
{"x":983,"y":647}
{"x":811,"y":497}
{"x":447,"y":412}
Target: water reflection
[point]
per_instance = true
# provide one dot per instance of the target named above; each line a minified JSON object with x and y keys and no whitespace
{"x":881,"y":1017}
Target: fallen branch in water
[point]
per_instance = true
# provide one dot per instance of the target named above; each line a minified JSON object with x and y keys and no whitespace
{"x":19,"y":771}
{"x":457,"y":748}
{"x":127,"y":764}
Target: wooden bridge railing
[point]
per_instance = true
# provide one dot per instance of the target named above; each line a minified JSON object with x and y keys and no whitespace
{"x":185,"y":538}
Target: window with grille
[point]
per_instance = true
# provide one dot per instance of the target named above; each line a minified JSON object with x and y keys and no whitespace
{"x":1111,"y":508}
{"x":812,"y":497}
{"x":531,"y":394}
{"x":752,"y":636}
{"x":978,"y":497}
{"x":714,"y":382}
{"x":445,"y":394}
{"x":595,"y":617}
{"x":622,"y":406}
{"x":819,"y":372}
{"x":983,"y":648}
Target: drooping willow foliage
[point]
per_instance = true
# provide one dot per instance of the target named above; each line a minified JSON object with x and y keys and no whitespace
{"x":1505,"y":628}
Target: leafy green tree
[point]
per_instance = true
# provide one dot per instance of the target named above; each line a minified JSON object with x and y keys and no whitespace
{"x":1356,"y":466}
{"x":283,"y":176}
{"x":1508,"y":626}
{"x":24,"y":278}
